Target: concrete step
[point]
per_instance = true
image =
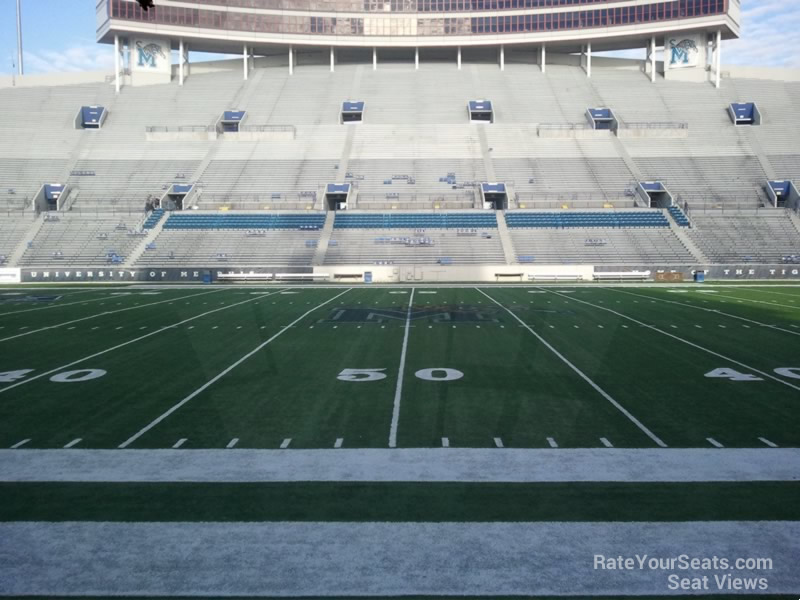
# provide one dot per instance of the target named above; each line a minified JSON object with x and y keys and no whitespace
{"x":505,"y":239}
{"x":683,"y":235}
{"x":151,"y":236}
{"x":324,"y":240}
{"x":33,"y":230}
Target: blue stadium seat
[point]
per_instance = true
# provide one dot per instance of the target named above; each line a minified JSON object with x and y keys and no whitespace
{"x":415,"y":221}
{"x":561,"y":220}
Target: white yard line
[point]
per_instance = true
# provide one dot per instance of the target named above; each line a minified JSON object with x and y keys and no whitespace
{"x":606,"y":443}
{"x":224,"y":372}
{"x":27,"y":310}
{"x":123,"y":344}
{"x":73,"y":443}
{"x":714,"y":443}
{"x":757,"y":301}
{"x":582,"y":375}
{"x":687,"y":342}
{"x":711,"y":310}
{"x":398,"y":392}
{"x":767,"y":442}
{"x":20,"y":444}
{"x":102,"y":314}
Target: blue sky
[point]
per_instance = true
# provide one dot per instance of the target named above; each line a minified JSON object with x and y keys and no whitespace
{"x":59,"y":36}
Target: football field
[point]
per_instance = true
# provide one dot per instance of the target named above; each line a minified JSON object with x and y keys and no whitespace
{"x":625,"y":367}
{"x":415,"y":441}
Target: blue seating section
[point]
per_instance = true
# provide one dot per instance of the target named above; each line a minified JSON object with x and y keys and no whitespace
{"x":679,"y":217}
{"x":153,"y":219}
{"x":244,"y":221}
{"x":416,"y":221}
{"x":566,"y":219}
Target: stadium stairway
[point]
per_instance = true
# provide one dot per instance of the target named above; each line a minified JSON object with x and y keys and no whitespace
{"x":688,"y":242}
{"x":755,"y":145}
{"x":505,"y":238}
{"x":795,"y":217}
{"x":29,"y":236}
{"x":151,"y":236}
{"x":324,"y":239}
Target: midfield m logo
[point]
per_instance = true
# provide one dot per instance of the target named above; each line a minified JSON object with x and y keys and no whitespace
{"x":148,"y":54}
{"x":432,"y":314}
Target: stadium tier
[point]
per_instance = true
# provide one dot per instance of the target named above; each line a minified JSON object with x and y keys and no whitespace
{"x":551,"y":179}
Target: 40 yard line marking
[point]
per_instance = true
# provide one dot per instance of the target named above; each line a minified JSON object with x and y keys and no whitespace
{"x":102,"y":314}
{"x":123,"y":344}
{"x":399,"y":389}
{"x":222,"y":373}
{"x":581,"y":374}
{"x":687,"y":342}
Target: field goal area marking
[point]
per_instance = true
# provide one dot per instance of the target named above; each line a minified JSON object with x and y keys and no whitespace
{"x":123,"y":344}
{"x":224,"y":372}
{"x":399,"y":389}
{"x":582,"y":375}
{"x":711,"y":310}
{"x":687,"y":342}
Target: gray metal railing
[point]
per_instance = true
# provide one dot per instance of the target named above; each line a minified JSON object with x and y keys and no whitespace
{"x":178,"y":129}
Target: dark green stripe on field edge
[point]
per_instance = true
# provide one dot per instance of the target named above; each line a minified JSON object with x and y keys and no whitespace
{"x":399,"y":502}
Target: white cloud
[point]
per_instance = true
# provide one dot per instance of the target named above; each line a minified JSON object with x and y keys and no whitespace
{"x":77,"y":57}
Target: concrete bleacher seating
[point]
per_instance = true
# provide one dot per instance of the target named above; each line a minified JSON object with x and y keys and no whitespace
{"x":766,"y":236}
{"x":567,"y":219}
{"x":82,"y":241}
{"x":11,"y":233}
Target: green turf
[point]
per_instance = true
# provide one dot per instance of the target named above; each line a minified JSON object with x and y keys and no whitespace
{"x":514,"y":388}
{"x":400,"y":502}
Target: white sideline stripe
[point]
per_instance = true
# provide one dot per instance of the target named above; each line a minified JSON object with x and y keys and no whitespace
{"x":339,"y":442}
{"x":582,"y":375}
{"x":285,"y":443}
{"x":102,"y":314}
{"x":688,"y":343}
{"x":224,"y":372}
{"x":711,"y":310}
{"x":74,"y":442}
{"x":232,"y":443}
{"x":768,"y":443}
{"x":20,"y":444}
{"x":498,"y":442}
{"x":606,"y":443}
{"x":714,"y":443}
{"x":758,"y":301}
{"x":552,"y":442}
{"x":445,"y":442}
{"x":179,"y":443}
{"x":470,"y":465}
{"x":122,"y":345}
{"x":398,"y":392}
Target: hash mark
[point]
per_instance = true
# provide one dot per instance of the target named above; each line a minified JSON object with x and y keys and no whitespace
{"x":498,"y":442}
{"x":232,"y":443}
{"x":285,"y":443}
{"x":74,"y":442}
{"x":714,"y":443}
{"x":339,"y":442}
{"x":606,"y":443}
{"x":445,"y":442}
{"x":768,"y":443}
{"x":552,"y":443}
{"x":20,"y":444}
{"x":179,"y":443}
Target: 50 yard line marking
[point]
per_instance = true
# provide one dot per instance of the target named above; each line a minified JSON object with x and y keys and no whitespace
{"x":133,"y":341}
{"x":398,"y":392}
{"x":224,"y":372}
{"x":582,"y":375}
{"x":108,"y":312}
{"x":680,"y":339}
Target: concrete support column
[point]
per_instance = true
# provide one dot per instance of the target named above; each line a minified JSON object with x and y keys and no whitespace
{"x":544,"y":58}
{"x":374,"y":58}
{"x":416,"y":59}
{"x":589,"y":59}
{"x":653,"y":59}
{"x":333,"y":60}
{"x":459,"y":58}
{"x":291,"y":60}
{"x":667,"y":57}
{"x":718,"y":59}
{"x":245,"y":66}
{"x":117,"y":84}
{"x":180,"y":62}
{"x":502,"y":57}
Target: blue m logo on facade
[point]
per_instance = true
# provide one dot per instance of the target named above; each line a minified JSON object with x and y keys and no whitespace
{"x":147,"y":55}
{"x":683,"y":53}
